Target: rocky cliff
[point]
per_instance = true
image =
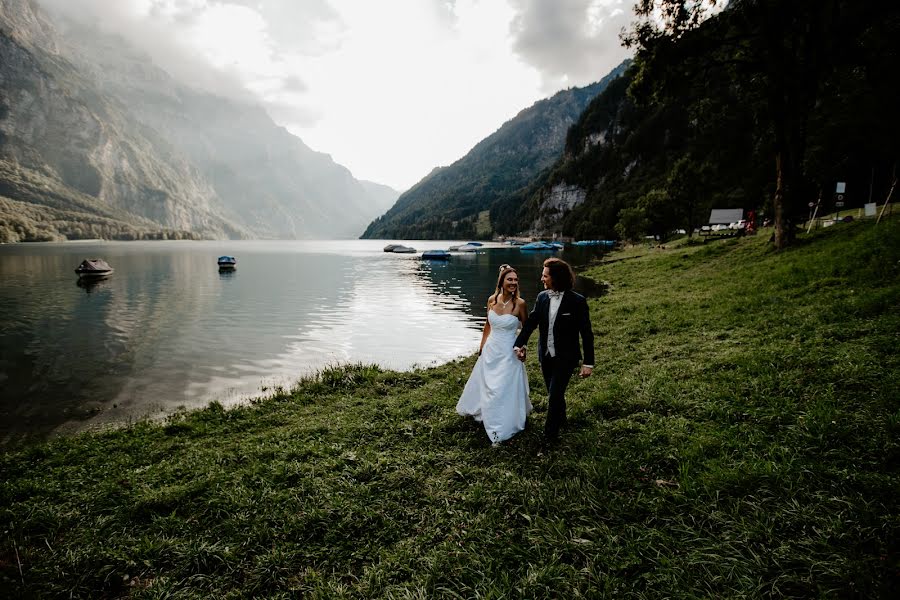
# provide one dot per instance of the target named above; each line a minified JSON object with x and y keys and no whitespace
{"x":91,"y":114}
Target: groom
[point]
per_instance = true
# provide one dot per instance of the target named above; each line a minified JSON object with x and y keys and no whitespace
{"x":561,"y":316}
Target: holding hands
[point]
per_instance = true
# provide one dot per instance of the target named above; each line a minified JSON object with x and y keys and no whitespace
{"x":520,"y":353}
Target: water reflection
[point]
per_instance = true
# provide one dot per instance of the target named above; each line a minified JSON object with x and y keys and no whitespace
{"x":170,"y":330}
{"x":90,"y":284}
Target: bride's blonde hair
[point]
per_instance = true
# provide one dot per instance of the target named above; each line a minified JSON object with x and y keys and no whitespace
{"x":504,"y":271}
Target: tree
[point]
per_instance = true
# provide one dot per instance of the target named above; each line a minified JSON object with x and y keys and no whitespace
{"x":682,"y":186}
{"x":659,"y":212}
{"x":783,"y":47}
{"x":632,"y":224}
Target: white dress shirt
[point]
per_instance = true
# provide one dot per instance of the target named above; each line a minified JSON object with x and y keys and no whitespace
{"x":555,"y":301}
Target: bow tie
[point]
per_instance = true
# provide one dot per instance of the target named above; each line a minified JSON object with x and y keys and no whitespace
{"x":553,"y":294}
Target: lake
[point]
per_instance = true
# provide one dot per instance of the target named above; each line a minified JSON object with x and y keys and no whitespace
{"x":168,"y":331}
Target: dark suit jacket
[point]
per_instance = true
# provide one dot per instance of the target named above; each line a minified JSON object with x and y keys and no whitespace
{"x":572,"y":320}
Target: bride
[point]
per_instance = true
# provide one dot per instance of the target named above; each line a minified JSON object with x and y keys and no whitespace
{"x":497,"y":391}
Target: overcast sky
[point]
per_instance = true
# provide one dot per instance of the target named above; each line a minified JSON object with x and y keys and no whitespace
{"x":390,"y":89}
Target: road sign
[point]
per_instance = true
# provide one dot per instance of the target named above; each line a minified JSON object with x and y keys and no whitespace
{"x":839,"y":204}
{"x":841,"y":187}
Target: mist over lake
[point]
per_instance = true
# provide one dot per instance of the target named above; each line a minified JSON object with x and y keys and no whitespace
{"x":168,"y":331}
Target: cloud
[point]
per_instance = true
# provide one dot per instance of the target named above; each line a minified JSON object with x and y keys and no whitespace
{"x":308,"y":27}
{"x":391,"y":90}
{"x":570,"y":42}
{"x":237,"y":49}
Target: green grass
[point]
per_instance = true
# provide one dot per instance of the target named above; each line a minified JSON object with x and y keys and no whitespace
{"x":740,"y":439}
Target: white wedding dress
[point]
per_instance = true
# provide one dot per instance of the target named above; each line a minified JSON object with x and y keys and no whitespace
{"x":497,"y":391}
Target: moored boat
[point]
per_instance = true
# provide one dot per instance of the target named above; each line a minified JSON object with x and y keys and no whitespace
{"x":94,"y":267}
{"x":227,"y":262}
{"x":403,"y":250}
{"x":539,"y":246}
{"x":436,"y":255}
{"x":604,"y":243}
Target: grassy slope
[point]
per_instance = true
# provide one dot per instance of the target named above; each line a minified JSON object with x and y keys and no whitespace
{"x":740,"y":439}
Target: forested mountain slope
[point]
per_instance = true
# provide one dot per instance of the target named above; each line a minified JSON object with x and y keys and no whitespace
{"x":447,"y":203}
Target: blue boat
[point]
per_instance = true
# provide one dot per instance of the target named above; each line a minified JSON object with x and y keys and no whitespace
{"x":539,"y":246}
{"x":436,"y":255}
{"x":604,"y":243}
{"x":227,"y":262}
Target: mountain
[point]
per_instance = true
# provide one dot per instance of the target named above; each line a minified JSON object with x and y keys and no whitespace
{"x":693,"y":124}
{"x":84,"y":113}
{"x":455,"y":202}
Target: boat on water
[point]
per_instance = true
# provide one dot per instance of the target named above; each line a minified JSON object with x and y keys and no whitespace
{"x":469,"y":248}
{"x":399,"y":249}
{"x":541,"y":246}
{"x":94,"y":268}
{"x":436,"y":255}
{"x":390,"y":247}
{"x":604,"y":243}
{"x":227,"y":262}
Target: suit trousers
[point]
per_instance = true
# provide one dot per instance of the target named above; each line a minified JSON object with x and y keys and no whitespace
{"x":557,"y":374}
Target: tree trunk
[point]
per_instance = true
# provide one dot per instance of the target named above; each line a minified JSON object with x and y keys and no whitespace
{"x":778,"y":204}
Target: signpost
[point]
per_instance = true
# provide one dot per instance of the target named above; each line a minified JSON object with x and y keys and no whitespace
{"x":839,"y":191}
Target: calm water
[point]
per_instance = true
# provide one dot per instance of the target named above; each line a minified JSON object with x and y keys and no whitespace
{"x":169,"y":331}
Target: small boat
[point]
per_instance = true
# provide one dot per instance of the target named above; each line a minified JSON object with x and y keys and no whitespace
{"x":539,"y":246}
{"x":403,"y":250}
{"x":227,"y":262}
{"x":474,"y":244}
{"x":390,"y":247}
{"x":436,"y":255}
{"x":604,"y":243}
{"x":468,"y":248}
{"x":94,"y":267}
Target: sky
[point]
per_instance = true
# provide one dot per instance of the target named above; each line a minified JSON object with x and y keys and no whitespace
{"x":390,"y":89}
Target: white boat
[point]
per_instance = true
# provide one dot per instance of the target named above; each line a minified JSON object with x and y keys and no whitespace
{"x":403,"y":250}
{"x":468,"y":248}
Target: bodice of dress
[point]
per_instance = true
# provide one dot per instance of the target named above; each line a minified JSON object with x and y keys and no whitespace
{"x":503,"y":327}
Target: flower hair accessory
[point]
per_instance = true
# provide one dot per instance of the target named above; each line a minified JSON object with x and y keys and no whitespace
{"x":504,"y":266}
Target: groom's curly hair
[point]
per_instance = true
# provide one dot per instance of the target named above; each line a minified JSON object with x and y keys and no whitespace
{"x":561,"y":273}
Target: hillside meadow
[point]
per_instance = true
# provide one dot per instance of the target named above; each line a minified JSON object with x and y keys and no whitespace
{"x":740,"y":438}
